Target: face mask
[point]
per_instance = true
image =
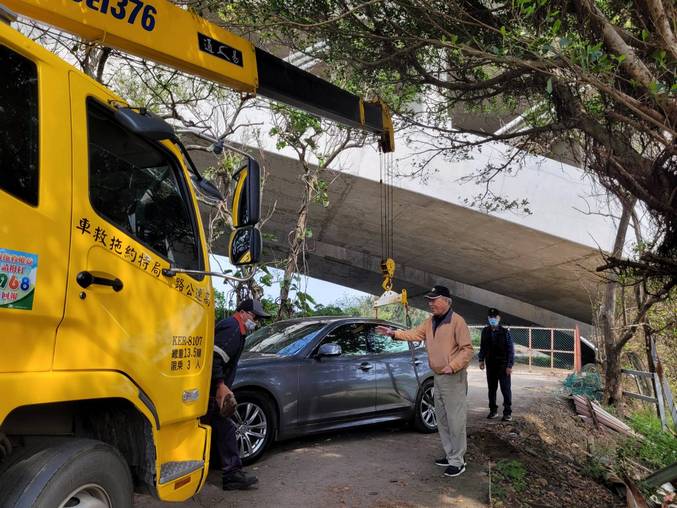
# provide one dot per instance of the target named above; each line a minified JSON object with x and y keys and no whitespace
{"x":493,"y":321}
{"x":250,"y":325}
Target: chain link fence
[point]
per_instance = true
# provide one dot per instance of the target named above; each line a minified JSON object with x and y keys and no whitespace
{"x":553,"y":348}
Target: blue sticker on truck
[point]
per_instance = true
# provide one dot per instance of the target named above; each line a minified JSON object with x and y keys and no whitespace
{"x":18,"y":274}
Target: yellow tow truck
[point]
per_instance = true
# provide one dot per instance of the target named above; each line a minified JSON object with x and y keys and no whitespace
{"x":106,"y":300}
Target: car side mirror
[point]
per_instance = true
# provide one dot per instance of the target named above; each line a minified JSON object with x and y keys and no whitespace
{"x":329,"y":349}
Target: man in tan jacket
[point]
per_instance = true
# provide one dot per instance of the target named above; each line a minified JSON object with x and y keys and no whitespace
{"x":447,"y":340}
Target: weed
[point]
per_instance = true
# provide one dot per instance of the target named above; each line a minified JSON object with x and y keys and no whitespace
{"x":593,"y":468}
{"x":658,"y":449}
{"x":514,"y":472}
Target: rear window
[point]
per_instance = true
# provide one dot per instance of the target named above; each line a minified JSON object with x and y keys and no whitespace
{"x":18,"y":126}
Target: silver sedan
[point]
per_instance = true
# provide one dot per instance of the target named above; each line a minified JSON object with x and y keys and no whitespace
{"x":310,"y":375}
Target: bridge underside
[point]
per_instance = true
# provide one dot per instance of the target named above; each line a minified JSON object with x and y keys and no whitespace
{"x":530,"y":276}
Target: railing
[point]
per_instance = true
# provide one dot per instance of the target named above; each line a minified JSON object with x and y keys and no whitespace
{"x":552,"y":348}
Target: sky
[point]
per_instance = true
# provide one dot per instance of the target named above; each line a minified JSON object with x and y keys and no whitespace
{"x":324,"y":293}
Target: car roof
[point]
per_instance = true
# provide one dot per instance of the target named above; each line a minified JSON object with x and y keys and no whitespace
{"x":333,"y":320}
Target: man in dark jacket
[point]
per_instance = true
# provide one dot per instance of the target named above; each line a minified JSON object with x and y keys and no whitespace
{"x":228,"y":345}
{"x":497,"y":353}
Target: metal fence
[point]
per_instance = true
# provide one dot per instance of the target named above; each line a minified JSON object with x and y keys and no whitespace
{"x":553,"y":348}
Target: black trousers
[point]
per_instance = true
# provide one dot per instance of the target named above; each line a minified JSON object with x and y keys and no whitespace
{"x":496,"y":375}
{"x":224,"y":440}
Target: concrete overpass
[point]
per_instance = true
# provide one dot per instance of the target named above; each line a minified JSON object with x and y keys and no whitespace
{"x":536,"y":269}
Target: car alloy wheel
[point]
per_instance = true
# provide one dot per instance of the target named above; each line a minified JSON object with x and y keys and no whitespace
{"x":251,"y":428}
{"x":427,"y":407}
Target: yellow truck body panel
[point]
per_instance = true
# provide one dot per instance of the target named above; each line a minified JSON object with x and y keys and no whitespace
{"x":149,"y":343}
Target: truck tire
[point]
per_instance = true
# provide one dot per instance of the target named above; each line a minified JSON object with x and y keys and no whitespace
{"x":424,"y":412}
{"x":74,"y":472}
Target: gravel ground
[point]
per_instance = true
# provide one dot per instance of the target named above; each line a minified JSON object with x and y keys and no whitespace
{"x":378,"y":466}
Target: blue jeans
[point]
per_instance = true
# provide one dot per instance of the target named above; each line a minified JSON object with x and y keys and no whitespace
{"x":496,"y":375}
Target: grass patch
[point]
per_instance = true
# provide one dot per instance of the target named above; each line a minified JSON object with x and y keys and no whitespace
{"x":513,"y":472}
{"x":593,"y":468}
{"x":658,"y":449}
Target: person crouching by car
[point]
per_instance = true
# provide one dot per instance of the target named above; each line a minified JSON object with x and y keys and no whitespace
{"x":229,"y":339}
{"x":497,"y":355}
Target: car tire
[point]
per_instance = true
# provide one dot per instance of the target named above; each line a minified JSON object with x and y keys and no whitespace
{"x":66,"y":474}
{"x":424,"y":416}
{"x":255,"y":413}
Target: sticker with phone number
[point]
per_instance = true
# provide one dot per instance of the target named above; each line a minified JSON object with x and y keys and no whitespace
{"x":133,"y":11}
{"x":18,"y":274}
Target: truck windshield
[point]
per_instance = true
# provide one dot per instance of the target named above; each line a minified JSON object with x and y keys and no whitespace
{"x":285,"y":339}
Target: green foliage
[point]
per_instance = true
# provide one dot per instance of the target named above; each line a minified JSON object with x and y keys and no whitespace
{"x":594,"y":468}
{"x":512,"y":472}
{"x":658,"y":449}
{"x":296,"y":128}
{"x":220,"y":305}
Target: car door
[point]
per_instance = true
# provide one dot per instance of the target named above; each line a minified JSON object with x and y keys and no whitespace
{"x":395,"y":372}
{"x":133,"y":216}
{"x":338,"y":388}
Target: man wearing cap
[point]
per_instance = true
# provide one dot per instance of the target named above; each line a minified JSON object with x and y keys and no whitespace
{"x":447,"y":340}
{"x":497,"y":354}
{"x":228,"y":345}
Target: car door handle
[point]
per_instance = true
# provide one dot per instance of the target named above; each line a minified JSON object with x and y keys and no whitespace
{"x":366,"y":366}
{"x":86,"y":279}
{"x":417,"y":362}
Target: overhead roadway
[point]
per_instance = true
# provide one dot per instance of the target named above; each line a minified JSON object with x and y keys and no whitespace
{"x":533,"y":277}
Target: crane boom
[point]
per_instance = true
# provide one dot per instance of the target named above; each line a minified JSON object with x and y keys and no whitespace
{"x":168,"y":34}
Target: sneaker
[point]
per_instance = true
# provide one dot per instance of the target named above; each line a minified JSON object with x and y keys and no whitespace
{"x":454,"y":470}
{"x":492,"y":415}
{"x":443,"y":462}
{"x":238,"y":480}
{"x":507,"y":418}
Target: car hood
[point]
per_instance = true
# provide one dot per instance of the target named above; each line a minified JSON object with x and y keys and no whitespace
{"x":251,"y":358}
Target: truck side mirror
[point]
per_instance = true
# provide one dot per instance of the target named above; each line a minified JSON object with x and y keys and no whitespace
{"x":244,"y":247}
{"x":246,"y":206}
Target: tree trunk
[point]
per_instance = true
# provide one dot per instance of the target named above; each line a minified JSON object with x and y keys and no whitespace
{"x":613,"y":385}
{"x":295,"y":247}
{"x":612,"y":382}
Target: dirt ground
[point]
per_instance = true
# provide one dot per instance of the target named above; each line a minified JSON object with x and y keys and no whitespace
{"x":392,"y":466}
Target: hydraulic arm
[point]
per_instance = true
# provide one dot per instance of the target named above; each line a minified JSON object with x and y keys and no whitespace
{"x":165,"y":33}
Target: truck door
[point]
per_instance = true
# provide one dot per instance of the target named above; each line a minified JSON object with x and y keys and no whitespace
{"x":34,"y":201}
{"x":133,"y":214}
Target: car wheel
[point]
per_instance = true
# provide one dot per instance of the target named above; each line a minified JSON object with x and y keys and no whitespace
{"x":76,"y":472}
{"x":425,"y":419}
{"x":256,"y":424}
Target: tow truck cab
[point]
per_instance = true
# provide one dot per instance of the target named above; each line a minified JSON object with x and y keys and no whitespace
{"x":103,"y":353}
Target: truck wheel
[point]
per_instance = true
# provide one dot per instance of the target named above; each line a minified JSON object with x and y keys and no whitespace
{"x":255,"y":419}
{"x":425,"y":419}
{"x":76,"y":472}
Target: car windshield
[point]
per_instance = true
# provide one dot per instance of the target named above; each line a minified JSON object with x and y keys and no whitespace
{"x":284,"y":339}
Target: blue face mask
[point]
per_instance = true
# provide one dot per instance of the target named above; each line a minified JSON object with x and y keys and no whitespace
{"x":493,"y":321}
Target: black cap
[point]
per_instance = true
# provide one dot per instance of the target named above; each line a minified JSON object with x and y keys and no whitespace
{"x":438,"y":291}
{"x":493,"y":312}
{"x":253,"y":306}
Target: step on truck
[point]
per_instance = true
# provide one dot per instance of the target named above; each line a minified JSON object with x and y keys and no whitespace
{"x":106,"y":300}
